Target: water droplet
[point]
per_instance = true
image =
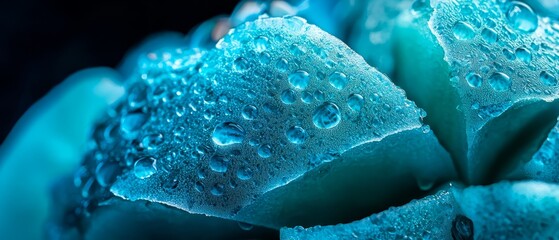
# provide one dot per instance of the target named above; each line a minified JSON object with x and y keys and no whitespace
{"x":145,"y":167}
{"x":462,"y":228}
{"x":282,"y":65}
{"x":151,"y":142}
{"x":327,"y":116}
{"x":523,"y":54}
{"x":288,"y":96}
{"x":306,"y":97}
{"x":489,"y":35}
{"x":245,"y":226}
{"x":261,"y":44}
{"x":240,"y":64}
{"x":217,"y":189}
{"x":521,"y":17}
{"x":355,"y":102}
{"x":500,"y":82}
{"x":265,"y":151}
{"x":228,"y":133}
{"x":299,"y":79}
{"x":106,"y":173}
{"x":338,"y":80}
{"x":474,"y":79}
{"x":199,"y":187}
{"x":219,"y":163}
{"x":509,"y":54}
{"x":463,"y":31}
{"x":131,"y":123}
{"x":420,"y":6}
{"x":548,"y":79}
{"x":249,"y":112}
{"x":296,"y":135}
{"x":244,"y":173}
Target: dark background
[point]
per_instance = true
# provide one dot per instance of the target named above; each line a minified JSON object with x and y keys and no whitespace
{"x":44,"y":41}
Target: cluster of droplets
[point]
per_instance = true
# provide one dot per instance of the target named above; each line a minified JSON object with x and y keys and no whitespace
{"x":436,"y":216}
{"x":503,"y":53}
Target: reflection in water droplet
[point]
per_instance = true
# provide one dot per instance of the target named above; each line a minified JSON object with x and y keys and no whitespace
{"x":474,"y":79}
{"x":524,"y":55}
{"x":521,"y":17}
{"x":327,"y":116}
{"x":355,"y":102}
{"x":548,"y":79}
{"x":218,"y":164}
{"x":299,"y":79}
{"x":500,"y":82}
{"x":265,"y":151}
{"x":145,"y":167}
{"x":288,"y":96}
{"x":338,"y":80}
{"x":463,"y":31}
{"x":217,"y":189}
{"x":296,"y":135}
{"x":228,"y":133}
{"x":244,"y":173}
{"x":249,"y":112}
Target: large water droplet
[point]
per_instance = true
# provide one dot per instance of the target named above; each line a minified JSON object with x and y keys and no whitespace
{"x":299,"y":79}
{"x":296,"y":135}
{"x":463,"y":31}
{"x":521,"y":17}
{"x":145,"y":167}
{"x":219,"y":163}
{"x":548,"y":79}
{"x":355,"y":102}
{"x":338,"y":80}
{"x":261,"y":44}
{"x":327,"y":116}
{"x":228,"y":133}
{"x":500,"y":82}
{"x":474,"y":79}
{"x":249,"y":112}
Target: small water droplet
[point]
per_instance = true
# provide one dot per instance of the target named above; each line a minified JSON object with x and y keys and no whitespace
{"x":338,"y":80}
{"x":288,"y":96}
{"x":106,"y":173}
{"x":327,"y":116}
{"x":261,"y":44}
{"x":548,"y":79}
{"x":355,"y":102}
{"x":240,"y":64}
{"x":245,"y":226}
{"x":474,"y":79}
{"x":145,"y":167}
{"x":282,"y":65}
{"x":463,"y":31}
{"x":306,"y":97}
{"x":265,"y":151}
{"x":131,"y":123}
{"x":299,"y":79}
{"x":219,"y":163}
{"x":151,"y":142}
{"x":500,"y":82}
{"x":523,"y":54}
{"x":228,"y":133}
{"x":489,"y":35}
{"x":521,"y":17}
{"x":296,"y":135}
{"x":462,"y":228}
{"x":249,"y":112}
{"x":244,"y":173}
{"x":217,"y":189}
